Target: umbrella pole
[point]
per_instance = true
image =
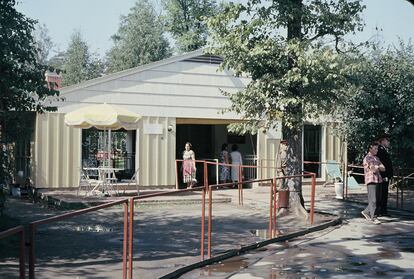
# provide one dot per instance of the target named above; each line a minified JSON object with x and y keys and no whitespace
{"x":109,"y":148}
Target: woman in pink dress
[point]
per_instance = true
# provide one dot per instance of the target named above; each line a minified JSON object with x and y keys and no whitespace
{"x":189,"y":168}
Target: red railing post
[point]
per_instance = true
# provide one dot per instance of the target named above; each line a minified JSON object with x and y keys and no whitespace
{"x":203,"y":217}
{"x":131,"y":236}
{"x":271,"y":210}
{"x":274,"y":207}
{"x":312,"y":209}
{"x":125,"y":242}
{"x":20,"y":231}
{"x":21,"y":255}
{"x":176,"y":175}
{"x":206,"y":176}
{"x":32,"y":257}
{"x":240,"y":185}
{"x":210,"y":221}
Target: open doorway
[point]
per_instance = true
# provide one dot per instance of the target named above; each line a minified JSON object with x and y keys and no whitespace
{"x":312,"y":148}
{"x":207,"y":140}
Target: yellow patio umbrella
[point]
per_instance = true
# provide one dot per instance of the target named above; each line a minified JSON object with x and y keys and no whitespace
{"x":103,"y":117}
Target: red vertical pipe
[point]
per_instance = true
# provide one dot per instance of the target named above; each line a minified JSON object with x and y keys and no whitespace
{"x":32,"y":229}
{"x":346,"y":180}
{"x":131,"y":237}
{"x":271,"y":210}
{"x":206,"y":166}
{"x":176,"y":174}
{"x":274,"y":206}
{"x":203,"y":217}
{"x":125,"y":242}
{"x":21,"y":255}
{"x":205,"y":176}
{"x":210,"y":217}
{"x":241,"y":183}
{"x":312,"y":209}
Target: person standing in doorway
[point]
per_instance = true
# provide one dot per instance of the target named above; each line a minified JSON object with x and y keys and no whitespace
{"x":236,"y":161}
{"x":224,"y":159}
{"x":189,"y":167}
{"x":384,"y":156}
{"x":373,"y":180}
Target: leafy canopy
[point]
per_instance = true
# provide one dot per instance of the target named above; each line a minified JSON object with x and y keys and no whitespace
{"x":22,"y":81}
{"x":185,"y":20}
{"x":290,"y":50}
{"x":22,"y":78}
{"x":139,"y":40}
{"x":385,"y":103}
{"x":79,"y":64}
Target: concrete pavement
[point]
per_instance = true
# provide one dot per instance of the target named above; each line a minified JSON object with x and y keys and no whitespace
{"x":167,"y":237}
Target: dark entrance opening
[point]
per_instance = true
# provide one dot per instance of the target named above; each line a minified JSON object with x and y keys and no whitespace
{"x":312,"y":151}
{"x":207,"y":140}
{"x":201,"y":138}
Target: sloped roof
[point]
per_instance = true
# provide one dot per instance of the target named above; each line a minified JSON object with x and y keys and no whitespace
{"x":131,"y":71}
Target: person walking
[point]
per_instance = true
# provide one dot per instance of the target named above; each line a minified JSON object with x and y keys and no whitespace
{"x":384,"y":156}
{"x":373,"y":179}
{"x":189,"y":167}
{"x":224,"y":159}
{"x":236,"y":161}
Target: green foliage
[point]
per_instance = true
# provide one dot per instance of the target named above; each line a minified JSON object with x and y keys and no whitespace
{"x":385,"y":103}
{"x":22,"y":81}
{"x":79,"y":65}
{"x":185,"y":20}
{"x":139,"y":40}
{"x":57,"y":61}
{"x":43,"y":42}
{"x":288,"y":70}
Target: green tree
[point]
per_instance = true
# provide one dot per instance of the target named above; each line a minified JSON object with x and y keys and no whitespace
{"x":57,"y":61}
{"x":139,"y":40}
{"x":384,"y":104}
{"x":185,"y":20}
{"x":79,"y":64}
{"x":22,"y":81}
{"x":44,"y":43}
{"x":290,"y":49}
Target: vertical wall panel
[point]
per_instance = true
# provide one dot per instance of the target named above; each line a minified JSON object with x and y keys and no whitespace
{"x":157,"y":153}
{"x":267,"y":149}
{"x":57,"y":152}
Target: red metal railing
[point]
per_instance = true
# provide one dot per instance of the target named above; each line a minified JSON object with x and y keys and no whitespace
{"x":210,"y":208}
{"x":129,"y":216}
{"x":272,"y":204}
{"x":169,"y":193}
{"x":34,"y":225}
{"x":20,"y":231}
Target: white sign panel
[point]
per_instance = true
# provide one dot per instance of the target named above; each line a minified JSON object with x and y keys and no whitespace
{"x":153,"y":129}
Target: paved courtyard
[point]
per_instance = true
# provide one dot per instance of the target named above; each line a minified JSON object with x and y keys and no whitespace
{"x":167,"y":237}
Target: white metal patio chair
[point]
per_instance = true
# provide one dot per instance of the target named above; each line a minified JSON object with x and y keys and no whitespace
{"x":132,"y":180}
{"x":86,"y":183}
{"x":333,"y":172}
{"x":111,"y":182}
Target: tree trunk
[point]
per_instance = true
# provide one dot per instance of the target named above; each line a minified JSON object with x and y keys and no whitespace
{"x":293,"y":134}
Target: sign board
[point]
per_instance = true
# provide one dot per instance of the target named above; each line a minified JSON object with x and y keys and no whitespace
{"x":153,"y":129}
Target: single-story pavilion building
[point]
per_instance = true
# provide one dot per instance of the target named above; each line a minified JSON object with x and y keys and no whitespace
{"x":180,"y":100}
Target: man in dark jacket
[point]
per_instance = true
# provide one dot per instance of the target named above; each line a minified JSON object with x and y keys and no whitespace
{"x":384,"y":156}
